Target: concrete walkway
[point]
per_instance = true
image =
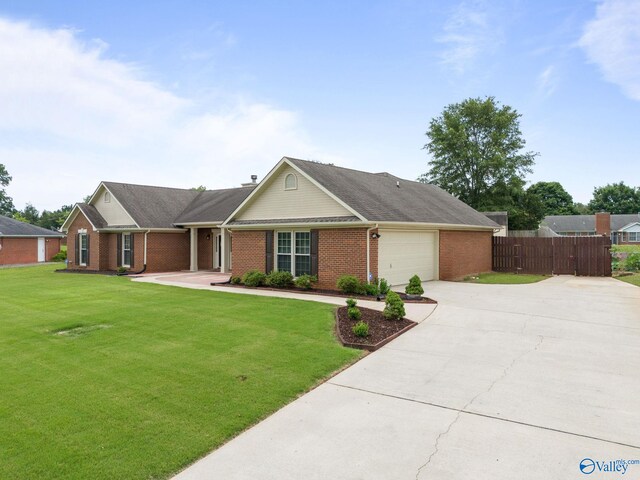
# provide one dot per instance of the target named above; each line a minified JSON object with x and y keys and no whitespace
{"x":501,"y":382}
{"x":202,"y":281}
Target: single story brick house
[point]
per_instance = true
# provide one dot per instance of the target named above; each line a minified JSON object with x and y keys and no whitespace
{"x":624,"y":229}
{"x":25,"y":243}
{"x":304,"y":217}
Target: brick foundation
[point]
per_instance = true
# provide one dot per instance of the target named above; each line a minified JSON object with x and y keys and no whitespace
{"x":464,"y":253}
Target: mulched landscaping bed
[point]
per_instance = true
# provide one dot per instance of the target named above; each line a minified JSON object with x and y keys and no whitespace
{"x":331,"y":293}
{"x":381,"y":330}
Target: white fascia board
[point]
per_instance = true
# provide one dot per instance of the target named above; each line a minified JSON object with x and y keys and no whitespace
{"x":432,"y":226}
{"x":72,"y":216}
{"x":275,"y":226}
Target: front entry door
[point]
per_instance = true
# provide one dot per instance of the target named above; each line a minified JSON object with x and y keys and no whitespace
{"x":41,"y":249}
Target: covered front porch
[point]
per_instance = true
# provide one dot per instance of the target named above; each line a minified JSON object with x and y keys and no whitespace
{"x":210,"y":249}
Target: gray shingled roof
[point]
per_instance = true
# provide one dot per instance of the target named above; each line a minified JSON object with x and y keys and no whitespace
{"x":213,"y":205}
{"x":377,"y":197}
{"x":585,"y":223}
{"x":152,"y":207}
{"x":92,"y":215}
{"x":10,"y":227}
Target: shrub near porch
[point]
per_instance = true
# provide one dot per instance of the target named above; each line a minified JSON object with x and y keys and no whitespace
{"x":104,"y":378}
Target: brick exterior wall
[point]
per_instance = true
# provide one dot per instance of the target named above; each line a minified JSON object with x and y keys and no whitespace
{"x":81,"y":222}
{"x":166,"y":252}
{"x":464,"y":253}
{"x":249,"y":251}
{"x":343,"y":251}
{"x":25,"y":250}
{"x":340,"y":252}
{"x":205,"y":249}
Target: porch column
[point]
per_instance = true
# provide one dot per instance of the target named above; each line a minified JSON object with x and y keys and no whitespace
{"x":194,"y":250}
{"x":223,"y":248}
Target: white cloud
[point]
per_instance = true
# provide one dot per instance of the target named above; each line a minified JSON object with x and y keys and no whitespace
{"x":612,"y":41}
{"x":548,"y":81}
{"x":71,"y":117}
{"x":467,"y":34}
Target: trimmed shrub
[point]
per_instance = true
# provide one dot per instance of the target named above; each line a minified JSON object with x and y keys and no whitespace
{"x":354,"y":313}
{"x":305,"y":281}
{"x":59,"y":257}
{"x":121,"y":270}
{"x":632,"y":263}
{"x":360,"y":329}
{"x":415,"y":286}
{"x":279,"y":279}
{"x":351,"y":303}
{"x":394,"y":307}
{"x":236,"y":280}
{"x":370,"y":289}
{"x":254,"y":278}
{"x":383,"y":286}
{"x":349,"y":284}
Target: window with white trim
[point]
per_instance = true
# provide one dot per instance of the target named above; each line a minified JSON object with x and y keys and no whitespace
{"x":83,"y":249}
{"x":126,"y":250}
{"x":634,"y":237}
{"x":293,"y":252}
{"x":107,"y":197}
{"x":290,"y":182}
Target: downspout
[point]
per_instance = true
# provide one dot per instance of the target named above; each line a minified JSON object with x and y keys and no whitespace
{"x":144,"y":260}
{"x":369,"y":252}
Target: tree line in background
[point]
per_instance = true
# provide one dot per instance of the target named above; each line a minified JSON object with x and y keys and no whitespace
{"x":477,"y":155}
{"x":52,"y":220}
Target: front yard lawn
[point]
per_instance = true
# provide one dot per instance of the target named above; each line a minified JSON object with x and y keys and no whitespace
{"x":505,"y":278}
{"x":103,"y":378}
{"x":632,"y":279}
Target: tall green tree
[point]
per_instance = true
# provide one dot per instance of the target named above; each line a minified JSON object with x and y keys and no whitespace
{"x":6,"y":202}
{"x":477,"y":152}
{"x":581,"y":208}
{"x":54,"y":220}
{"x":555,"y":199}
{"x":615,"y":198}
{"x":526,"y":211}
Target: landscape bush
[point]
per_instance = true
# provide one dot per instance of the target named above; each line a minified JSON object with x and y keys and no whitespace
{"x":370,"y":289}
{"x":360,"y":329}
{"x":394,"y":307}
{"x":279,"y":279}
{"x":305,"y":281}
{"x":254,"y":278}
{"x":383,"y":286}
{"x":415,"y":286}
{"x":349,"y":284}
{"x":60,"y":256}
{"x":632,"y":263}
{"x":351,"y":302}
{"x":236,"y":280}
{"x":354,"y":313}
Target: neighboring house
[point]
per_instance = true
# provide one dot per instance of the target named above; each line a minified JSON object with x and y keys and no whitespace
{"x":623,"y":229}
{"x":25,"y":243}
{"x":304,"y":217}
{"x":502,"y":219}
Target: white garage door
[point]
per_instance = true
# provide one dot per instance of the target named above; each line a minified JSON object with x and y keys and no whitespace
{"x":402,"y":254}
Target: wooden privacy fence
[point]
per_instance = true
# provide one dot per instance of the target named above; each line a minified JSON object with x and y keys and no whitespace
{"x":587,"y":256}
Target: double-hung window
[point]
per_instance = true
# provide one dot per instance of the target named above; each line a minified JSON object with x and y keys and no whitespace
{"x":634,"y":237}
{"x":294,"y":252}
{"x":126,"y":250}
{"x":83,"y":249}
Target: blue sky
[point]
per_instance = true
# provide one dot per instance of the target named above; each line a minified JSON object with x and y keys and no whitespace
{"x":189,"y":93}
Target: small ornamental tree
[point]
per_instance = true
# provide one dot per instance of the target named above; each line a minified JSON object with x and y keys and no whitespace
{"x":394,"y":307}
{"x":415,"y":286}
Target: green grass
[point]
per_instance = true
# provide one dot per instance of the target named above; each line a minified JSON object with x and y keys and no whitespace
{"x":625,"y":248}
{"x":632,"y":279}
{"x":103,"y":378}
{"x":505,"y":278}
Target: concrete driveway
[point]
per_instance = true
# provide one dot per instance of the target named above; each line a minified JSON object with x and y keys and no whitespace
{"x":500,"y":382}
